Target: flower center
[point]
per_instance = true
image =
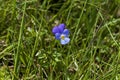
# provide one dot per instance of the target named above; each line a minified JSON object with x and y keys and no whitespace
{"x":62,"y":36}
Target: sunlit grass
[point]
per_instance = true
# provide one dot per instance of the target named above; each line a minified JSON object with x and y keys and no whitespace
{"x":29,"y":51}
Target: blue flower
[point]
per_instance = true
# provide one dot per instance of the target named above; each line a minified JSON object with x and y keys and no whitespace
{"x":61,"y":33}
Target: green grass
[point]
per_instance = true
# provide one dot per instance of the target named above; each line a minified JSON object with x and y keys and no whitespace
{"x":29,"y":51}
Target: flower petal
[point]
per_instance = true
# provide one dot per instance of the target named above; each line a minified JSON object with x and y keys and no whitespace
{"x":61,"y":27}
{"x":66,"y":32}
{"x":65,"y":41}
{"x":57,"y":36}
{"x":55,"y":30}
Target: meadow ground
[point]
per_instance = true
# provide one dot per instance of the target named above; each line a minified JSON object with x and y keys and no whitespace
{"x":29,"y":50}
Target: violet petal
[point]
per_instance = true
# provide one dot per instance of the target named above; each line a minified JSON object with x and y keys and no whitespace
{"x":61,"y":27}
{"x":55,"y":30}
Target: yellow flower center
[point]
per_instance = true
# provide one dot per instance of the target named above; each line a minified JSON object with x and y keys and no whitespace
{"x":62,"y":36}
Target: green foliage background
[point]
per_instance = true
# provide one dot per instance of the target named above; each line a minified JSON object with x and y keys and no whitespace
{"x":29,"y":51}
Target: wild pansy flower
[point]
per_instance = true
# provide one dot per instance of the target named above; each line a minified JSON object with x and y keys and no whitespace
{"x":61,"y":33}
